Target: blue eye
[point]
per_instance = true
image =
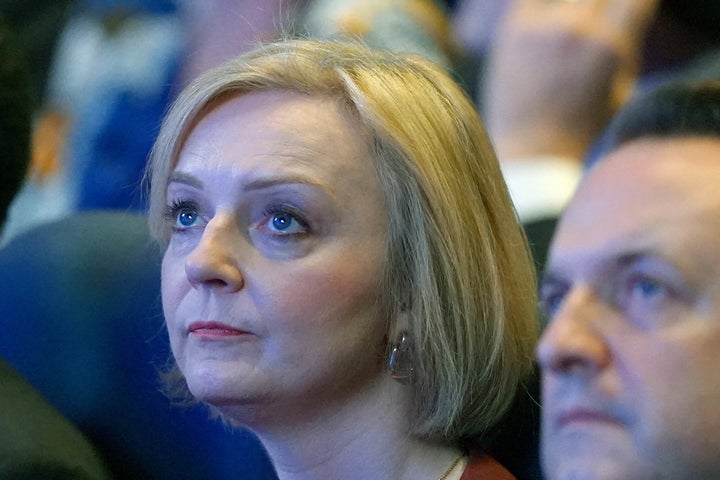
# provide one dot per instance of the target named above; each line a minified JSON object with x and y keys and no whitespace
{"x":643,"y":296}
{"x":182,"y":215}
{"x":552,"y":294}
{"x":550,"y":303}
{"x":283,"y":221}
{"x":186,"y":217}
{"x":645,"y":288}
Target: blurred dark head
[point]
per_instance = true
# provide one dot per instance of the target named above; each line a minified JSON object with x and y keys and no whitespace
{"x":678,"y":109}
{"x":36,"y":26}
{"x":702,"y":17}
{"x":15,"y":118}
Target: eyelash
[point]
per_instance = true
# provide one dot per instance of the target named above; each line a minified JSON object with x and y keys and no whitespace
{"x":661,"y":290}
{"x":172,"y":211}
{"x":273,"y":210}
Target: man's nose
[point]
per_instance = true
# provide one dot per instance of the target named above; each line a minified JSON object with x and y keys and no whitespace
{"x":573,"y":340}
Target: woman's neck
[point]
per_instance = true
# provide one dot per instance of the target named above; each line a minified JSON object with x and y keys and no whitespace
{"x":365,"y":435}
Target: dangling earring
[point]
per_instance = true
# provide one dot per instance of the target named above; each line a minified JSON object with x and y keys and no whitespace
{"x":400,"y":363}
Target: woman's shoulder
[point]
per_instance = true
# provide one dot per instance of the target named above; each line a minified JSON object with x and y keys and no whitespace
{"x":482,"y":466}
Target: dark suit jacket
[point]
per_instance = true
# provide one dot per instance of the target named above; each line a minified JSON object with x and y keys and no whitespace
{"x":36,"y":441}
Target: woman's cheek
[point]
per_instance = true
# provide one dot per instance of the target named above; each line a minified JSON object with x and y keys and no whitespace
{"x":323,"y":296}
{"x":174,"y":287}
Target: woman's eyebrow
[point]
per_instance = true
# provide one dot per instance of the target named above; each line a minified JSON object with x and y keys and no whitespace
{"x":187,"y":179}
{"x":261,"y":182}
{"x":256,"y":182}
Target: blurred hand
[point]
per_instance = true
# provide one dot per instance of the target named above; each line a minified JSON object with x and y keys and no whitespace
{"x":475,"y":23}
{"x":218,"y":30}
{"x":558,"y":70}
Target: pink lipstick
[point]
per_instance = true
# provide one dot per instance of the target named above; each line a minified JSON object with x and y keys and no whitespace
{"x":215,"y":329}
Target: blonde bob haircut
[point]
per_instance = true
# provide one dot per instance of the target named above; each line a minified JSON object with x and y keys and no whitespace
{"x":457,"y":263}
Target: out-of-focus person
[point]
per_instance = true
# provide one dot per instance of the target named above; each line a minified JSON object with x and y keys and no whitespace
{"x":36,"y":440}
{"x":632,"y":293}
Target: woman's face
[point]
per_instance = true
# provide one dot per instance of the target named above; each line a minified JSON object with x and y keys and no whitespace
{"x":270,"y":279}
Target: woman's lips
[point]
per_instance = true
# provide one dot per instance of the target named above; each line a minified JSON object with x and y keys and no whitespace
{"x":215,"y":329}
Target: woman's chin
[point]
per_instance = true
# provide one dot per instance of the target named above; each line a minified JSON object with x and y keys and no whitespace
{"x":220,"y":386}
{"x":238,"y":411}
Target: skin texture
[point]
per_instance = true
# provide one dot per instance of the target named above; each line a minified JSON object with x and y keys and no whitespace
{"x":632,"y":289}
{"x":280,"y":234}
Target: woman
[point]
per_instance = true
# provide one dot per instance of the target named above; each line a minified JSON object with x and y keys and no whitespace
{"x":344,"y":273}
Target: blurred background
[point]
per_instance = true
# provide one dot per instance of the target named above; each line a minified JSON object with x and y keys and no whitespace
{"x":79,"y":275}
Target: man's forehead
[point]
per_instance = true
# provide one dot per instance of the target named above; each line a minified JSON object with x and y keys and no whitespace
{"x":678,"y":157}
{"x":645,"y":195}
{"x":653,"y":173}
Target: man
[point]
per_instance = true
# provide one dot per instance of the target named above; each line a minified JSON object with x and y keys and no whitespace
{"x":630,"y":356}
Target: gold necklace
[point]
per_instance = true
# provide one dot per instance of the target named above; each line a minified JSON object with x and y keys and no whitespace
{"x":452,"y":467}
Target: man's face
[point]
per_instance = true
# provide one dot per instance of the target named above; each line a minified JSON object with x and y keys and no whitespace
{"x":631,"y":353}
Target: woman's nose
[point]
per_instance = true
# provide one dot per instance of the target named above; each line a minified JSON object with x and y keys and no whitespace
{"x":214,"y":262}
{"x":573,"y":341}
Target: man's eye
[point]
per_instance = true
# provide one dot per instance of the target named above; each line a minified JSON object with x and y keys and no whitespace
{"x":647,"y":297}
{"x":551,"y":298}
{"x":645,"y":289}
